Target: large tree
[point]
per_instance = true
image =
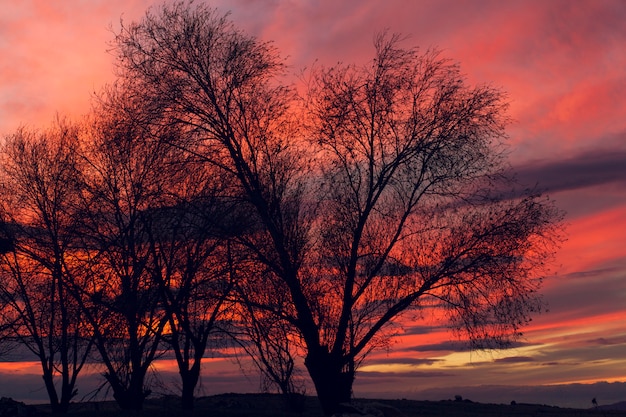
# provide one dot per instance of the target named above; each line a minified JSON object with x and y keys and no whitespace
{"x":418,"y":211}
{"x":40,"y":191}
{"x":399,"y":204}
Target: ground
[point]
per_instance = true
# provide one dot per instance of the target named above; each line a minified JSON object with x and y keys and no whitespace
{"x":266,"y":405}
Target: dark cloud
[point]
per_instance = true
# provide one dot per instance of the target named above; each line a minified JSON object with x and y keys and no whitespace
{"x":453,"y":346}
{"x":608,"y":341}
{"x":579,"y":171}
{"x":447,"y":346}
{"x":403,"y":361}
{"x":419,"y":329}
{"x":585,"y":293}
{"x":23,"y":387}
{"x":514,"y":359}
{"x":378,"y":376}
{"x":562,"y":363}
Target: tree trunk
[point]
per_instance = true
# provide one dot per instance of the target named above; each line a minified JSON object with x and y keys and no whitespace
{"x":67,"y":393}
{"x":189,"y":378}
{"x":58,"y":406}
{"x":129,"y":397}
{"x":127,"y":400}
{"x":55,"y":406}
{"x":332,"y":381}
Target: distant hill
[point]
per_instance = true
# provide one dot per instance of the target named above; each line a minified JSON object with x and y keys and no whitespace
{"x":578,"y":396}
{"x":620,"y":406}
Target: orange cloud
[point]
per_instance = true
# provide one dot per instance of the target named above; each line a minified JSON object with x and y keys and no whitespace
{"x":595,"y":240}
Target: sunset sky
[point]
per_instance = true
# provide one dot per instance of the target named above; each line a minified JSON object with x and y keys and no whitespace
{"x":563,"y":65}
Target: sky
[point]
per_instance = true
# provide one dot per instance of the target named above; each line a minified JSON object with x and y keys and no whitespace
{"x":563,"y":66}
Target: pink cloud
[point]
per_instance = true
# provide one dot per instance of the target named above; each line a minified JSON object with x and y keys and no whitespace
{"x":54,"y":57}
{"x":594,"y":241}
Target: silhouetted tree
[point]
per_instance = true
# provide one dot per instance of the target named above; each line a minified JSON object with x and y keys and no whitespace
{"x":189,"y":240}
{"x":40,"y":191}
{"x":415,"y":214}
{"x":7,"y":316}
{"x":270,"y":341}
{"x":399,"y":209}
{"x":125,"y":176}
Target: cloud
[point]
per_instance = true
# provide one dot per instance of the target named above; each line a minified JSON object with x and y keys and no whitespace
{"x":607,"y":341}
{"x":54,"y":55}
{"x":553,"y":363}
{"x":585,"y":294}
{"x":596,"y":167}
{"x":23,"y":387}
{"x":377,"y":376}
{"x":452,"y":346}
{"x":446,"y":346}
{"x":514,"y":359}
{"x":403,"y":361}
{"x":422,"y":329}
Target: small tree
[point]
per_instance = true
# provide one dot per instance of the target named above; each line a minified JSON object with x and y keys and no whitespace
{"x":271,"y":342}
{"x":192,"y":266}
{"x":399,"y":211}
{"x":40,"y":192}
{"x":124,"y":177}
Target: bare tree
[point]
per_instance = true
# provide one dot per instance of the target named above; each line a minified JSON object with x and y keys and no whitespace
{"x":193,"y":266}
{"x":125,"y":175}
{"x":414,"y":214}
{"x":271,"y":342}
{"x":7,"y":314}
{"x":40,"y":191}
{"x":399,"y":211}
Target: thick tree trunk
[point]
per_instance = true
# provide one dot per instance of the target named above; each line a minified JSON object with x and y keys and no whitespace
{"x":55,"y":406}
{"x":127,"y":400}
{"x":67,"y":393}
{"x":129,"y":397}
{"x":332,"y":382}
{"x":189,"y":380}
